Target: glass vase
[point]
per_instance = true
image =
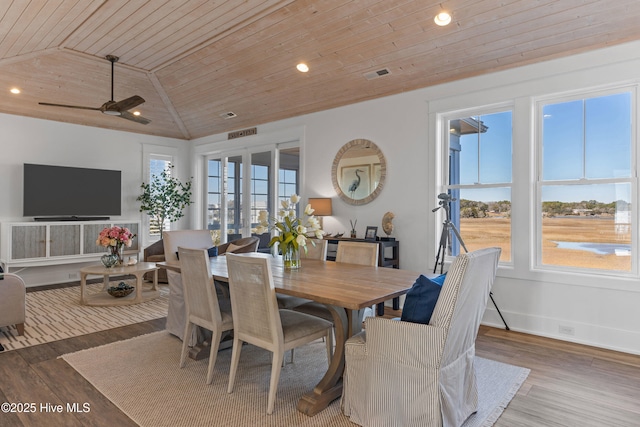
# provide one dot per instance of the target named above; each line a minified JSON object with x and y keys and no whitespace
{"x":291,"y":258}
{"x":117,"y":251}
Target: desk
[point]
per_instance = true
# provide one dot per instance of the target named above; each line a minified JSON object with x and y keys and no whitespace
{"x":345,"y":289}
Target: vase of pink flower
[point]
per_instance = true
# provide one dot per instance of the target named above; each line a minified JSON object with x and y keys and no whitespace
{"x":115,"y":239}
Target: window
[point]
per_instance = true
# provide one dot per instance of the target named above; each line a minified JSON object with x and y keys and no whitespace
{"x":479,"y":181}
{"x":288,"y":175}
{"x":585,"y":182}
{"x":157,"y":164}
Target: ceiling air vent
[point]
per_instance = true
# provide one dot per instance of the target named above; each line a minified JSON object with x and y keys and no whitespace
{"x":229,"y":115}
{"x":241,"y":133}
{"x":375,"y":74}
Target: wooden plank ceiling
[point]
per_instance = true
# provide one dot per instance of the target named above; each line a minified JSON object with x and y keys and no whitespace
{"x":194,"y":61}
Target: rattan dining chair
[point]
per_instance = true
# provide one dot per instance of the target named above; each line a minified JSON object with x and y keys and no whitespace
{"x":202,"y":305}
{"x":361,"y":253}
{"x":258,"y":320}
{"x":316,"y":249}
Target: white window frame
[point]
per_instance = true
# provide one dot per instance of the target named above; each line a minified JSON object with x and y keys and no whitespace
{"x":538,"y":104}
{"x":443,"y":120}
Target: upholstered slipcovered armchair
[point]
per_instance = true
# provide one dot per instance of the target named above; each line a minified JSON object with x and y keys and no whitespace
{"x":12,"y":302}
{"x":155,"y":253}
{"x":400,"y":373}
{"x":239,"y":246}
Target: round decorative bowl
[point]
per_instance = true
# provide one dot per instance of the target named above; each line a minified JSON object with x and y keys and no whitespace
{"x":122,"y":290}
{"x":109,"y":260}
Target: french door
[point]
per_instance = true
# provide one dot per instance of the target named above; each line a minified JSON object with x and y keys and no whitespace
{"x":241,"y":184}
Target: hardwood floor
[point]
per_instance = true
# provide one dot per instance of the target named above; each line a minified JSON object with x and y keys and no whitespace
{"x":569,"y":384}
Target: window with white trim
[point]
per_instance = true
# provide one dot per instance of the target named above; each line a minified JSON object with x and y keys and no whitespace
{"x":157,"y":164}
{"x":586,"y":183}
{"x":479,"y":180}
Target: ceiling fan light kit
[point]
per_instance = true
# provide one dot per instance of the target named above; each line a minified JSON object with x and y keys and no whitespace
{"x":111,"y":107}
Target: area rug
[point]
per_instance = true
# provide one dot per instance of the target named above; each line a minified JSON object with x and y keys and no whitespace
{"x":153,"y":391}
{"x":56,"y":314}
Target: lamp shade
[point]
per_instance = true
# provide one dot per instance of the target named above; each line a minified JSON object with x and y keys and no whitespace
{"x":321,"y":206}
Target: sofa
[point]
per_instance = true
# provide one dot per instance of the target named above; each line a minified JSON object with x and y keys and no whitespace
{"x":12,"y":301}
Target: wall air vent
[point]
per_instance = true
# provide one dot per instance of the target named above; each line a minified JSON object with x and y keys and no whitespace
{"x":228,"y":115}
{"x":375,"y":74}
{"x":241,"y":133}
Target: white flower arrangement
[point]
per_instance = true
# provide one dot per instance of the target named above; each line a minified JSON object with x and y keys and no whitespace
{"x":293,"y":231}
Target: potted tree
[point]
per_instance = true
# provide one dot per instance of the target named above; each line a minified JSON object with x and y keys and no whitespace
{"x":164,"y":198}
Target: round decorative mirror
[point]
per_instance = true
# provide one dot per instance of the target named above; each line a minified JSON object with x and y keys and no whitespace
{"x":359,"y":171}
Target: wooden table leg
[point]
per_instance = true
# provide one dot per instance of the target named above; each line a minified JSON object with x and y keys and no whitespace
{"x":139,"y":286}
{"x":330,"y":386}
{"x":83,"y":285}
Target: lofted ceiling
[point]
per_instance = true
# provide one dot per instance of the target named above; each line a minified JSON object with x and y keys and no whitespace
{"x":196,"y":61}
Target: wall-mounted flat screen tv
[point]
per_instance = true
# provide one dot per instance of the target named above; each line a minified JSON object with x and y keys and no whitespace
{"x":75,"y":193}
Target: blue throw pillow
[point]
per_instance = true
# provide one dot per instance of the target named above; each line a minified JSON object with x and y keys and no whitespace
{"x":421,"y":299}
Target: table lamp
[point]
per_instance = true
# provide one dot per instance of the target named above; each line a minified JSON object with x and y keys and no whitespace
{"x":321,"y":207}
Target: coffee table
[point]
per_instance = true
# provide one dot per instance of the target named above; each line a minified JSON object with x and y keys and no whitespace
{"x":104,"y":299}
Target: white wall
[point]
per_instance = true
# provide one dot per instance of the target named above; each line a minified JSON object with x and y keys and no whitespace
{"x":602,"y":310}
{"x":27,"y":140}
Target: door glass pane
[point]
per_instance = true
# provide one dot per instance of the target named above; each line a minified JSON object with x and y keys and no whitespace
{"x":214,"y":198}
{"x":234,"y":198}
{"x":288,"y":174}
{"x":260,"y":194}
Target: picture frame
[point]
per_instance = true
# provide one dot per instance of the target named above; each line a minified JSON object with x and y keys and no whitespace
{"x":358,"y":176}
{"x":371,"y":233}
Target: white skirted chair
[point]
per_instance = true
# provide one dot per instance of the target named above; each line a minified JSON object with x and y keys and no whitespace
{"x":12,"y":302}
{"x":192,"y":239}
{"x":400,"y":373}
{"x":202,"y":306}
{"x":257,"y":319}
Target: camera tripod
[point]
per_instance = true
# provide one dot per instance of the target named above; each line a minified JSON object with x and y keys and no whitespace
{"x":445,"y":241}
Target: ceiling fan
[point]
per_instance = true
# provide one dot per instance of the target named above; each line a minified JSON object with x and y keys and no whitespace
{"x":113,"y":108}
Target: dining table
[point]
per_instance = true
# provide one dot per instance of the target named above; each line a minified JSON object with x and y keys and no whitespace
{"x":345,"y":289}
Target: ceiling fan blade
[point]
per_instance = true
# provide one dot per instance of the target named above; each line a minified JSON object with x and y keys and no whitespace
{"x":138,"y":119}
{"x":69,"y":106}
{"x":129,"y":103}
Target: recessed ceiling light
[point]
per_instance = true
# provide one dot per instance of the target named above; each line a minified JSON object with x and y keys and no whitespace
{"x":442,"y":19}
{"x":15,"y":90}
{"x":136,"y":113}
{"x":302,"y":67}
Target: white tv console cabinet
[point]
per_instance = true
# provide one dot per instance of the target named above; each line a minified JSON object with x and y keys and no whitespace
{"x":39,"y":243}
